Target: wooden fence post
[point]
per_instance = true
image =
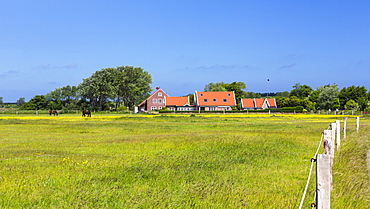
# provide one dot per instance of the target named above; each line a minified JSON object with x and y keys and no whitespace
{"x":357,"y":124}
{"x":323,"y":181}
{"x":328,"y":143}
{"x":345,"y":127}
{"x":333,"y":132}
{"x":338,"y":134}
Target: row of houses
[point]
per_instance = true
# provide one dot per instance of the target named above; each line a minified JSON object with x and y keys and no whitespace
{"x":206,"y":101}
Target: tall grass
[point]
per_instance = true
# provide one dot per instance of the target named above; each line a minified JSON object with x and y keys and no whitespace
{"x":156,"y":162}
{"x":351,"y":174}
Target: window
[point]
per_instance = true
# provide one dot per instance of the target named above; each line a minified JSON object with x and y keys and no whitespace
{"x":201,"y":95}
{"x":160,"y":108}
{"x":205,"y":100}
{"x":228,"y":94}
{"x":225,"y":100}
{"x":214,"y":100}
{"x":154,"y":100}
{"x":159,"y":101}
{"x":212,"y":108}
{"x":160,"y":94}
{"x":154,"y":108}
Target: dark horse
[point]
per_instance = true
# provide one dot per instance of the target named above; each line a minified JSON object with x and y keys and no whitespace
{"x":53,"y":112}
{"x":86,"y":113}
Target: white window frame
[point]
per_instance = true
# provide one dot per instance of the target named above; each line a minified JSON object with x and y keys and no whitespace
{"x":160,"y":94}
{"x":154,"y":101}
{"x":153,"y":108}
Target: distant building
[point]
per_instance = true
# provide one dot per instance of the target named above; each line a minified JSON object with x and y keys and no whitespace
{"x":155,"y":101}
{"x":214,"y":100}
{"x":203,"y":101}
{"x":160,"y":99}
{"x":257,"y":104}
{"x":179,"y":104}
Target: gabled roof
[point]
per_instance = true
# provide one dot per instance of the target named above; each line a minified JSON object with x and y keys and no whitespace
{"x":272,"y":102}
{"x":258,"y":103}
{"x":154,"y":93}
{"x":215,"y":98}
{"x":177,"y":101}
{"x":247,"y":103}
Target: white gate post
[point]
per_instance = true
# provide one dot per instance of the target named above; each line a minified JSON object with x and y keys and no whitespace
{"x":345,"y":128}
{"x":357,"y":124}
{"x":338,"y":134}
{"x":323,"y":181}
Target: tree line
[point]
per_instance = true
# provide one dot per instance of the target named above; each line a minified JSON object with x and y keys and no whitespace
{"x":126,"y":86}
{"x":322,"y":98}
{"x":117,"y":88}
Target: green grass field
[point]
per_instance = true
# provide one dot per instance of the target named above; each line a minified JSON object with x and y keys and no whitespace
{"x":208,"y":161}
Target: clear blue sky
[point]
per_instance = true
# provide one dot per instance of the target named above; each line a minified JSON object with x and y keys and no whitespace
{"x":184,"y":45}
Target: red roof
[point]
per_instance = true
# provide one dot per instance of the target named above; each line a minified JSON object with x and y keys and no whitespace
{"x":272,"y":102}
{"x":259,"y":103}
{"x":177,"y":101}
{"x":248,"y":103}
{"x":215,"y":98}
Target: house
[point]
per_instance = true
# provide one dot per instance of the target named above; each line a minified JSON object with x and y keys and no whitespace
{"x":179,"y":104}
{"x":257,"y":104}
{"x":160,"y":99}
{"x":214,"y":100}
{"x":155,"y":101}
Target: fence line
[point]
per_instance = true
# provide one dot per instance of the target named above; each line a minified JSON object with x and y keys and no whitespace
{"x":324,"y":163}
{"x":309,"y":175}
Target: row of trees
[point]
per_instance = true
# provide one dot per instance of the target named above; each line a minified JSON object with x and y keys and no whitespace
{"x":19,"y":103}
{"x":107,"y":88}
{"x":126,"y":86}
{"x":326,"y":97}
{"x":323,"y":97}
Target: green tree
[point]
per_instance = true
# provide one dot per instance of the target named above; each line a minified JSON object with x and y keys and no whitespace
{"x":39,"y":102}
{"x":351,"y":105}
{"x":237,"y":88}
{"x":282,"y":101}
{"x":21,"y":101}
{"x":99,"y":87}
{"x":328,"y":96}
{"x":283,"y":94}
{"x":65,"y":97}
{"x":363,"y":103}
{"x":191,"y":99}
{"x":336,"y":104}
{"x":351,"y":93}
{"x":301,"y":91}
{"x":133,"y":85}
{"x":219,"y":86}
{"x":294,"y":101}
{"x":251,"y":95}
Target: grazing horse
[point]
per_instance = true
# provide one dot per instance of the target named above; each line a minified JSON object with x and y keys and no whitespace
{"x":86,"y":113}
{"x":53,"y":112}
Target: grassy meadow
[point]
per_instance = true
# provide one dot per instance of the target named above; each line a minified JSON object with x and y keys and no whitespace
{"x":174,"y":161}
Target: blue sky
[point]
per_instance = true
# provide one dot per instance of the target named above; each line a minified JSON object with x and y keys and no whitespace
{"x":184,"y":45}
